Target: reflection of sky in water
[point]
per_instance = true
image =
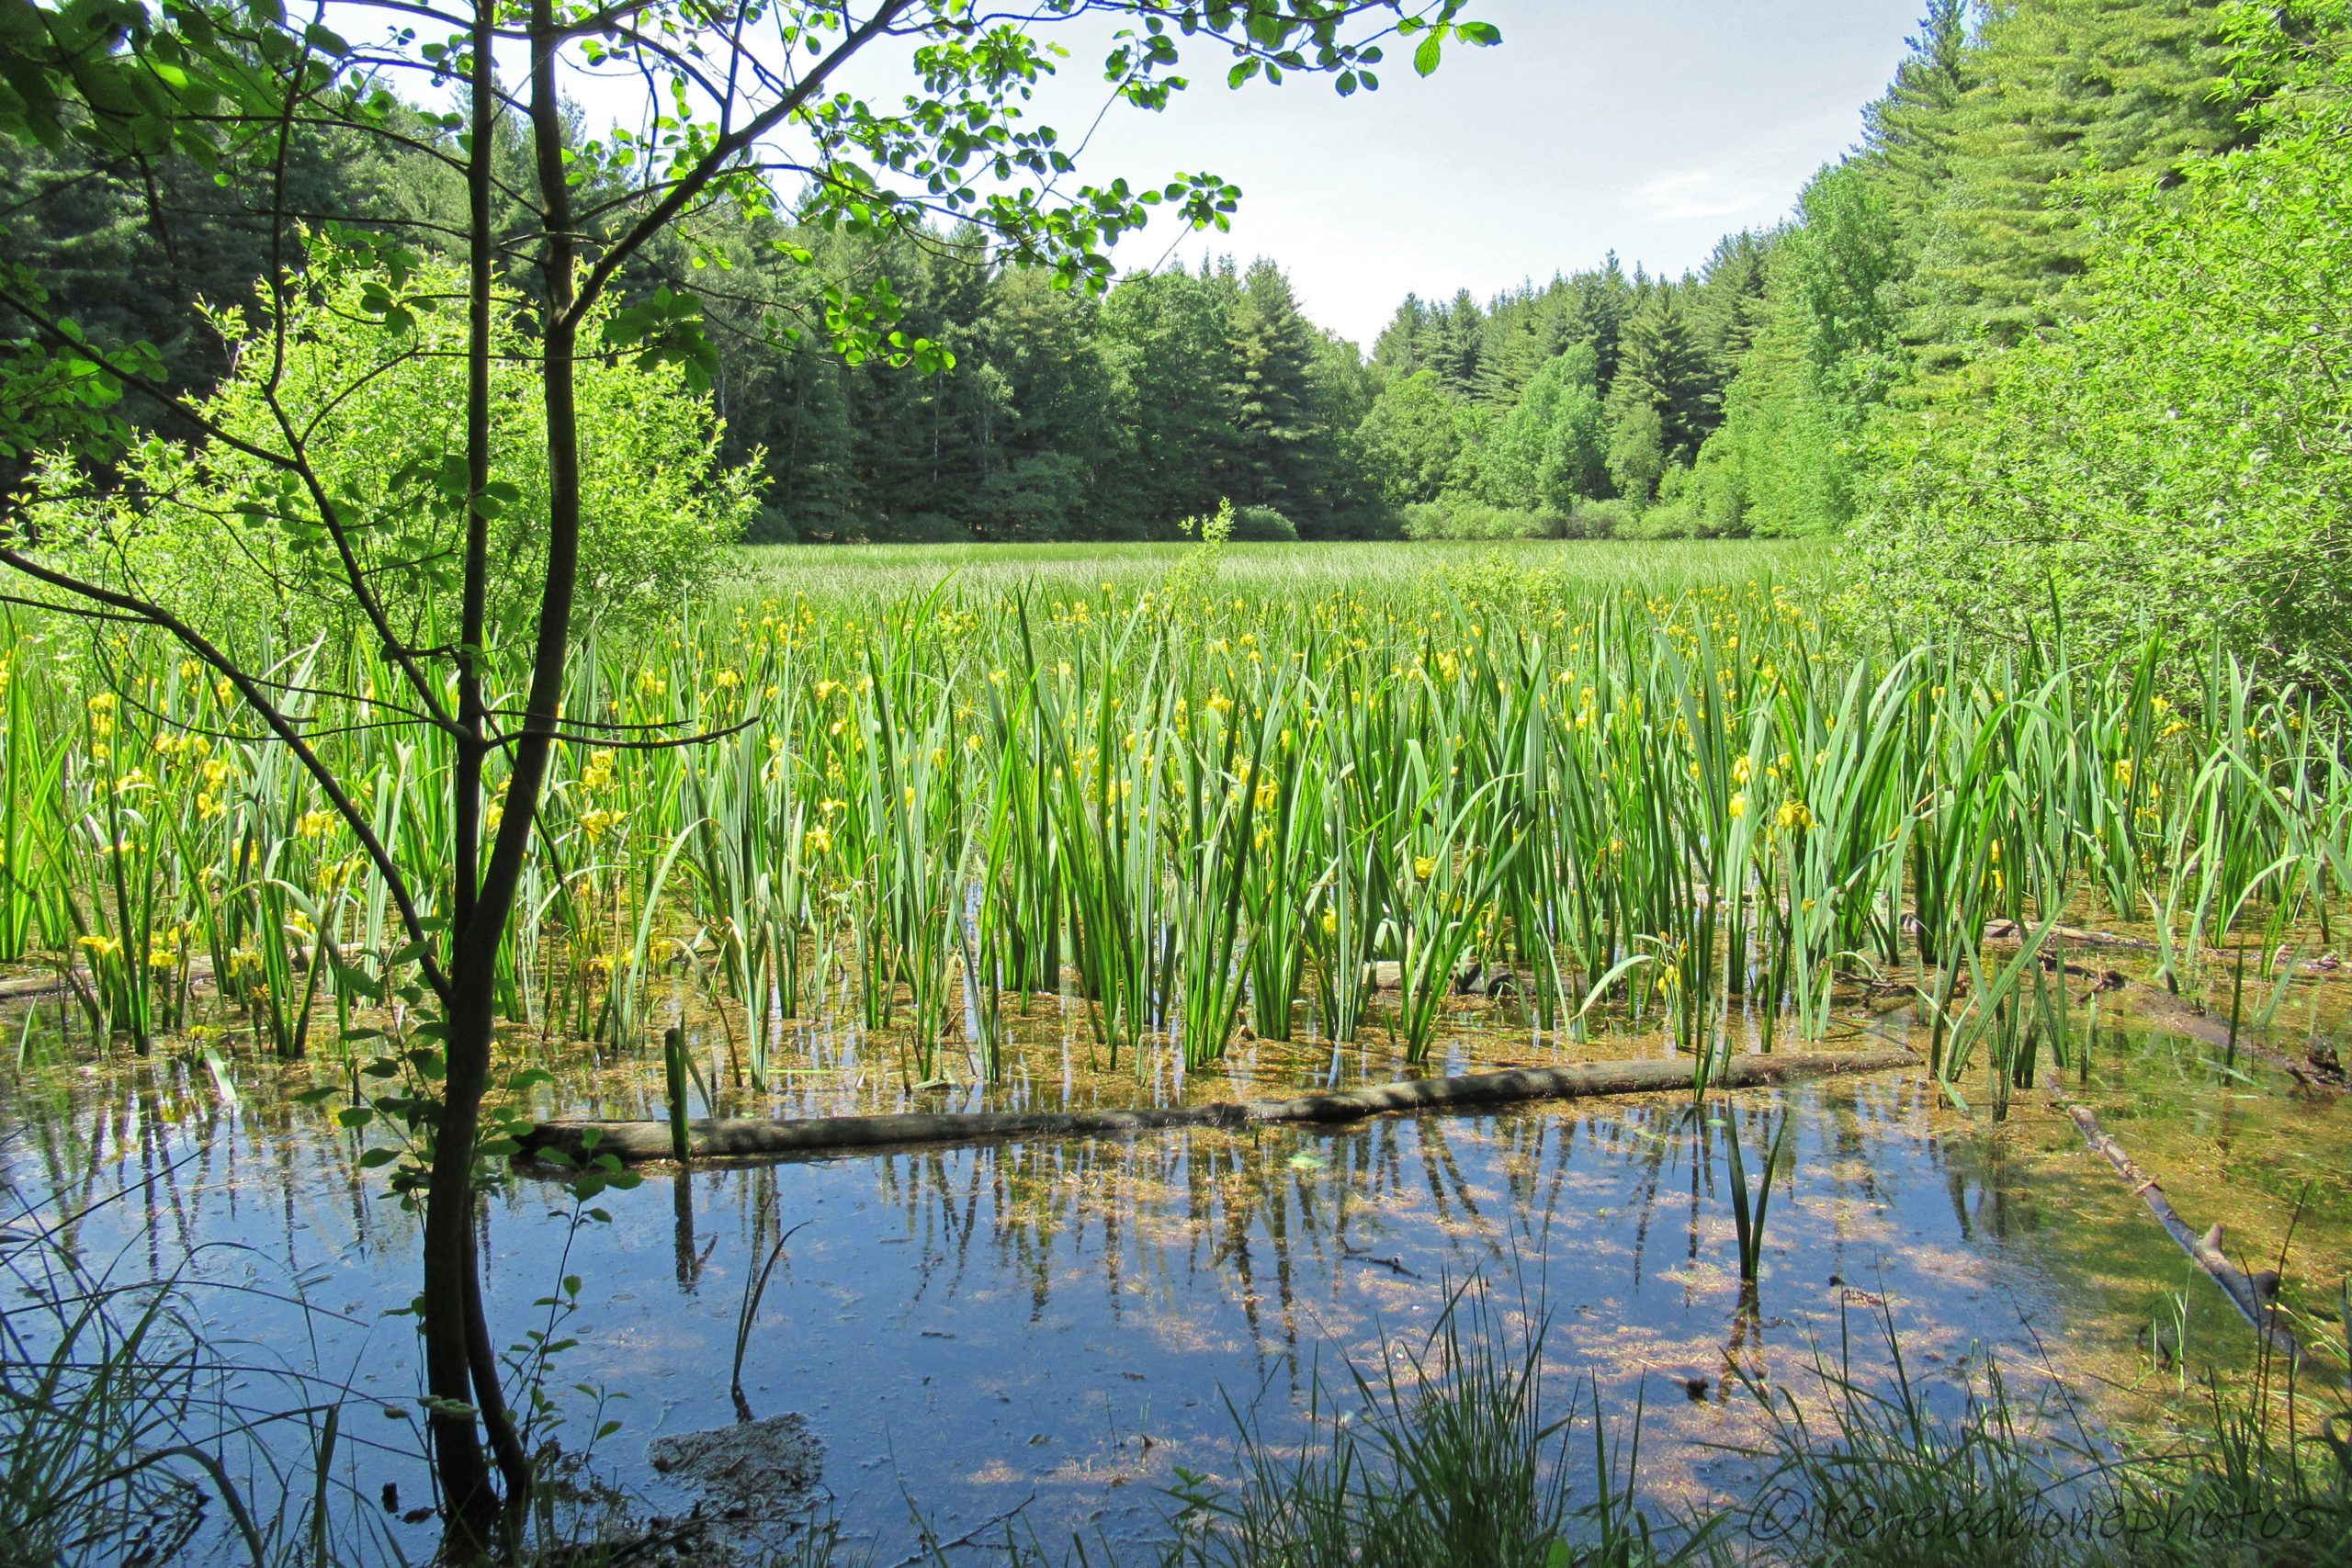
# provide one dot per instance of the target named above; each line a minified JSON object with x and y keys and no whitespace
{"x":970,"y":1325}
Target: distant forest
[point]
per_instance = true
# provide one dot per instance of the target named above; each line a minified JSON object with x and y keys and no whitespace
{"x":1736,"y":398}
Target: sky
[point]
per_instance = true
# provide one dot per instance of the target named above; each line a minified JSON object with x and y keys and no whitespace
{"x":1649,"y":127}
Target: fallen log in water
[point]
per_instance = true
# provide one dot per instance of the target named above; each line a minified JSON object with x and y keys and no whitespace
{"x":636,"y":1141}
{"x":2001,"y":931}
{"x":2180,"y":1016}
{"x":2255,"y":1295}
{"x":76,"y":978}
{"x":17,"y":988}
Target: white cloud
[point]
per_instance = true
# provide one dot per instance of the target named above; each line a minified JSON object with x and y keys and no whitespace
{"x":1740,"y":189}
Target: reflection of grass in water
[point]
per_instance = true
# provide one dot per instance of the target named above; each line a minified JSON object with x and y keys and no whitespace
{"x":1224,"y":1201}
{"x":122,"y":1425}
{"x":1451,"y":1458}
{"x":1884,"y":1473}
{"x":1440,"y":1452}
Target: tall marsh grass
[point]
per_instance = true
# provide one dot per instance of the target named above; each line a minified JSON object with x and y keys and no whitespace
{"x":1203,"y":798}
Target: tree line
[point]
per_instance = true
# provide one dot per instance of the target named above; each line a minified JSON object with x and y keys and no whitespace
{"x":1779,"y":389}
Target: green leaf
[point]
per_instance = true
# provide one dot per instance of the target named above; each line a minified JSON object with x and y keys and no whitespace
{"x":1425,"y":57}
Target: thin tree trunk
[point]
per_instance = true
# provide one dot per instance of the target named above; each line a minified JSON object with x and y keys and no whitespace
{"x":455,"y":1324}
{"x":451,"y":1294}
{"x":466,"y":806}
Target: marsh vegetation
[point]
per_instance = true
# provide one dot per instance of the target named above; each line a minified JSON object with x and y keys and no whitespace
{"x":1150,"y":833}
{"x":1489,"y":1044}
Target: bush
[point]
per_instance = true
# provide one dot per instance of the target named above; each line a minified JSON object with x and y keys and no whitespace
{"x":1666,"y":520}
{"x":229,"y":543}
{"x":1457,"y":516}
{"x":1264,"y":526}
{"x":1602,"y":519}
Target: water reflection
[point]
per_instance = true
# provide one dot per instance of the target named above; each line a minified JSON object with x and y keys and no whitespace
{"x":967,"y":1326}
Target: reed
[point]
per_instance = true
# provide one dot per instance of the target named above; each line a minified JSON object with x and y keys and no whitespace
{"x":1193,"y":796}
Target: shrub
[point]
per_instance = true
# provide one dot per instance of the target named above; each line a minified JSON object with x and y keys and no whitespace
{"x":1602,"y":519}
{"x":1457,"y":516}
{"x":1262,"y":525}
{"x":1666,"y":520}
{"x":234,"y":544}
{"x":2176,"y":460}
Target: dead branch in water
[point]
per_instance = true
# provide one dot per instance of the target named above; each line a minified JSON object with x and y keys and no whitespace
{"x":2178,"y":1016}
{"x":637,"y":1141}
{"x":2255,"y":1295}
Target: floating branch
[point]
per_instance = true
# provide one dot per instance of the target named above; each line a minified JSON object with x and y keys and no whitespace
{"x":636,"y":1141}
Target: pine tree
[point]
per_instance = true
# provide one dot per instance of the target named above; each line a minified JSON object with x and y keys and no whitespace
{"x":1404,"y":344}
{"x":1907,"y":133}
{"x":2056,"y":88}
{"x":1046,"y":421}
{"x":1603,"y":300}
{"x":1663,"y":367}
{"x":1459,"y":335}
{"x":1730,"y":305}
{"x":1525,"y":332}
{"x":1280,"y":459}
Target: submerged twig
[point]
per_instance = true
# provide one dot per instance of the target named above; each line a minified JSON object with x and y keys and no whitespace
{"x":2256,"y":1304}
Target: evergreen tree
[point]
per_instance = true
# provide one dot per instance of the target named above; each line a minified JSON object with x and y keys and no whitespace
{"x":2057,"y":89}
{"x":129,"y":268}
{"x":1663,"y":367}
{"x":1603,"y":299}
{"x":1166,"y":350}
{"x":1525,"y":332}
{"x":1278,"y":459}
{"x":1404,"y":345}
{"x":2177,"y":460}
{"x":813,"y":453}
{"x":1907,"y":134}
{"x":1457,"y":337}
{"x":1342,"y":386}
{"x":1046,"y":421}
{"x":1730,"y":306}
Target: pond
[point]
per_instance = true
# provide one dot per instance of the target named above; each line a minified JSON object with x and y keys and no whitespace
{"x":1044,"y":1336}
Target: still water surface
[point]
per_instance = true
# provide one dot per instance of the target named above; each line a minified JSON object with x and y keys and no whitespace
{"x":1050,"y":1329}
